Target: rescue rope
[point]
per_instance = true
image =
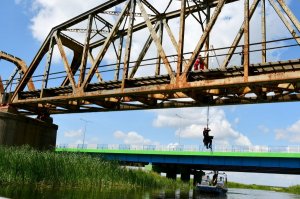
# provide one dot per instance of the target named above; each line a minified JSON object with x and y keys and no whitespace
{"x":207,"y":117}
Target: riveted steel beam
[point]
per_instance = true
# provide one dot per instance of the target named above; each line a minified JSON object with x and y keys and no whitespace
{"x":119,"y":58}
{"x":239,"y":36}
{"x":158,"y":61}
{"x":246,"y":40}
{"x":289,"y":13}
{"x":98,"y":74}
{"x":172,"y":37}
{"x":47,"y":67}
{"x":181,"y":41}
{"x":156,"y":40}
{"x":65,"y":60}
{"x":20,"y":64}
{"x":167,"y":16}
{"x":263,"y":31}
{"x":143,"y":53}
{"x":203,"y":38}
{"x":1,"y":86}
{"x":105,"y":46}
{"x":85,"y":51}
{"x":285,"y":21}
{"x":128,"y":42}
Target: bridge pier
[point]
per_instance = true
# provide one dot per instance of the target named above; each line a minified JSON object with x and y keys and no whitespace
{"x":185,"y":175}
{"x":197,"y":176}
{"x":171,"y":174}
{"x":17,"y":130}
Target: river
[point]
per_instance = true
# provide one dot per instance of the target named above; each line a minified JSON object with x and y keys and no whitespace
{"x":31,"y":193}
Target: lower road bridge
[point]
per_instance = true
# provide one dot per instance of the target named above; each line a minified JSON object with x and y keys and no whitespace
{"x":186,"y":160}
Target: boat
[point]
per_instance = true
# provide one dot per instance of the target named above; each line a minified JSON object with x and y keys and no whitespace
{"x":213,"y":183}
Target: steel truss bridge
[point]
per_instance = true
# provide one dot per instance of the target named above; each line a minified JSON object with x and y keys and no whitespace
{"x":101,"y":67}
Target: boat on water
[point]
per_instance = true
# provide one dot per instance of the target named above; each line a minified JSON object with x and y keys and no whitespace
{"x":213,"y":183}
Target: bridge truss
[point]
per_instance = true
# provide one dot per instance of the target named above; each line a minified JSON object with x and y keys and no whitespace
{"x":137,"y":54}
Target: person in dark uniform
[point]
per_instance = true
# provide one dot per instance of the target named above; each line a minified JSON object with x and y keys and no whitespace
{"x":215,"y":178}
{"x":207,"y":139}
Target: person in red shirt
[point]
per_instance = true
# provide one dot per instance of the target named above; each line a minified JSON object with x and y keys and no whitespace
{"x":196,"y":64}
{"x":199,"y":62}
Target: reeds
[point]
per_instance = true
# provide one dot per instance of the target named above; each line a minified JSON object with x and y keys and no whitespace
{"x":23,"y":165}
{"x":291,"y":189}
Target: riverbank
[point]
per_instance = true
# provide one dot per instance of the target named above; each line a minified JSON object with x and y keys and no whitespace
{"x":291,"y":189}
{"x":23,"y":165}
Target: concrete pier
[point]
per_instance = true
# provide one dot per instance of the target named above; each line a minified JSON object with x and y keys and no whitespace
{"x":171,"y":175}
{"x":185,"y":176}
{"x":17,"y":130}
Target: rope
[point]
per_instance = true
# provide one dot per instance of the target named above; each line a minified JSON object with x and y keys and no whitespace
{"x":207,"y":117}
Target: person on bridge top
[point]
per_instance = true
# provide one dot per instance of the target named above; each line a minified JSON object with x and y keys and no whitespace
{"x":199,"y":62}
{"x":207,"y":139}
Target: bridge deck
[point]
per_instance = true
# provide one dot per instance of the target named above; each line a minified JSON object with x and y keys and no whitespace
{"x":186,"y":153}
{"x":264,"y":162}
{"x":213,"y":86}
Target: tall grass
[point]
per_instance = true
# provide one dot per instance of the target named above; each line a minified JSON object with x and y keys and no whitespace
{"x":23,"y":165}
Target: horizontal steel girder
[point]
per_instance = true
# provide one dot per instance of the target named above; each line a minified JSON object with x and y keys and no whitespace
{"x":269,"y":82}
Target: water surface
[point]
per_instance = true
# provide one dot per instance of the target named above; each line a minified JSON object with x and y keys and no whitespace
{"x":47,"y":193}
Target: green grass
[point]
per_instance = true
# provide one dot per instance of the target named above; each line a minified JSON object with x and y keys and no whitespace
{"x":291,"y":189}
{"x":23,"y":165}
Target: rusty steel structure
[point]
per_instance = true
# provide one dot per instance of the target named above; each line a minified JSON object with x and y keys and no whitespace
{"x":20,"y":67}
{"x":101,"y":70}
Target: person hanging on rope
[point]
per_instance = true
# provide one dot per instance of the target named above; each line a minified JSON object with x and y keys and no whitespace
{"x":207,"y":139}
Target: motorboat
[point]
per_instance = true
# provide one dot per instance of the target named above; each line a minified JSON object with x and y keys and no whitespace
{"x":213,"y":183}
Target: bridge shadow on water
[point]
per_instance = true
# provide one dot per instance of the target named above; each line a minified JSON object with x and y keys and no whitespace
{"x":32,"y":192}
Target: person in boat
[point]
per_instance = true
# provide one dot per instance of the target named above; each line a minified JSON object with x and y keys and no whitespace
{"x":214,"y":179}
{"x":207,"y":139}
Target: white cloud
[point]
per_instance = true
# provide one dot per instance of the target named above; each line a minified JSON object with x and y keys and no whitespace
{"x":73,"y":133}
{"x":191,"y":122}
{"x":291,"y":133}
{"x":18,"y":1}
{"x":132,"y":138}
{"x":49,"y":14}
{"x":119,"y":135}
{"x":236,"y":120}
{"x":79,"y":142}
{"x":263,"y":129}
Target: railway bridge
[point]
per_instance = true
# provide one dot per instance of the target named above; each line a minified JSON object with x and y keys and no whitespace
{"x":137,"y":54}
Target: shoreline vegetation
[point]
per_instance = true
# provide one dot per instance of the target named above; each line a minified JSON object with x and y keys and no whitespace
{"x":26,"y":166}
{"x":292,"y":189}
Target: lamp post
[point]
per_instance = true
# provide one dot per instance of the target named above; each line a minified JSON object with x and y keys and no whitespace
{"x":180,"y":118}
{"x":85,"y":124}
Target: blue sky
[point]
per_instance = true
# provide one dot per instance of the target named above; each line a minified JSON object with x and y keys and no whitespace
{"x":277,"y":124}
